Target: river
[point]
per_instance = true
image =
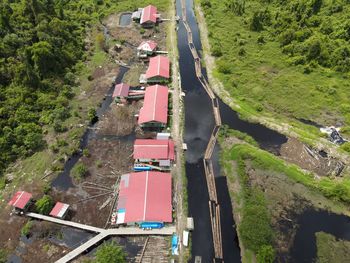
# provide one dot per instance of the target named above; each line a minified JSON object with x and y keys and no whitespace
{"x":199,"y":123}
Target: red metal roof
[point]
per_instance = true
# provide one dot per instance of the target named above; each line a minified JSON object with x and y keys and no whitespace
{"x":146,"y":197}
{"x":154,"y":149}
{"x":149,"y":14}
{"x":148,"y":45}
{"x":121,"y":90}
{"x":159,"y":66}
{"x":20,"y":199}
{"x":155,"y":106}
{"x":59,"y":210}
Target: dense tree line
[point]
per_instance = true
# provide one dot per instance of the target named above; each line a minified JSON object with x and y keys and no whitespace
{"x":311,"y":32}
{"x":40,"y":42}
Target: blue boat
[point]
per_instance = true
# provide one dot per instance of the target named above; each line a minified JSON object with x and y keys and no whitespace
{"x":151,"y":225}
{"x":175,"y":245}
{"x":142,"y":168}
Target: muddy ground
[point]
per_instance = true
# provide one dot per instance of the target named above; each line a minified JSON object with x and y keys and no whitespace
{"x":119,"y":120}
{"x":307,"y":158}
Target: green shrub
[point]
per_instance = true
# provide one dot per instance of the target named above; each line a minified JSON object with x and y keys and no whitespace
{"x":79,"y":171}
{"x":2,"y":183}
{"x":44,"y":205}
{"x":266,"y":254}
{"x":3,"y":255}
{"x":255,"y":228}
{"x":110,"y":253}
{"x":346,"y":147}
{"x":25,"y":231}
{"x":86,"y":152}
{"x":98,"y":163}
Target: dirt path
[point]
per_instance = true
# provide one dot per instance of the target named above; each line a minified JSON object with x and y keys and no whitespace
{"x":177,"y":127}
{"x":272,"y":123}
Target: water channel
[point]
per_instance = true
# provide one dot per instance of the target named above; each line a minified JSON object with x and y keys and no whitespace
{"x":199,"y":123}
{"x":63,"y":181}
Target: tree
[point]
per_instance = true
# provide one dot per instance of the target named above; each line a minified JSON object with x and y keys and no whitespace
{"x":3,"y":255}
{"x":79,"y":171}
{"x":110,"y":253}
{"x":236,"y":6}
{"x":266,"y":254}
{"x":44,"y":205}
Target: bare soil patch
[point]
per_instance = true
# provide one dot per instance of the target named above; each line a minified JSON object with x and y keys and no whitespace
{"x":296,"y":152}
{"x":119,"y":120}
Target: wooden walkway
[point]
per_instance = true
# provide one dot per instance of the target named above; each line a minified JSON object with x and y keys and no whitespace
{"x":65,"y":222}
{"x":214,"y":206}
{"x":102,"y":233}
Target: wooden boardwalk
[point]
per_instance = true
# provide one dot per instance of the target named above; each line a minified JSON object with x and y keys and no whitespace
{"x":214,"y":206}
{"x":65,"y":222}
{"x":102,"y":233}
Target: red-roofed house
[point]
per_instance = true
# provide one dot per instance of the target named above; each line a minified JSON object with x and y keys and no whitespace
{"x":146,"y":48}
{"x":158,"y":152}
{"x":21,"y":200}
{"x":158,"y":70}
{"x":60,"y":210}
{"x":121,"y":92}
{"x":154,"y":112}
{"x":144,"y":197}
{"x":149,"y":16}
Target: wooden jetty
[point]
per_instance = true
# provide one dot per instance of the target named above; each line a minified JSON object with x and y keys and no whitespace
{"x":102,"y":233}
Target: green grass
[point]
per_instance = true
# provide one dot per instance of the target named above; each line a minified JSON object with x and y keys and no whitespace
{"x":337,"y":190}
{"x":263,"y":81}
{"x":329,"y":249}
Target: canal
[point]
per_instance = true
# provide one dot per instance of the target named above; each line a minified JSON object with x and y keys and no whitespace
{"x":199,"y":123}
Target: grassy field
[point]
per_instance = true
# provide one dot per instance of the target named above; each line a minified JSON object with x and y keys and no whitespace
{"x":265,"y":189}
{"x":337,"y":190}
{"x":329,"y":249}
{"x":264,"y":79}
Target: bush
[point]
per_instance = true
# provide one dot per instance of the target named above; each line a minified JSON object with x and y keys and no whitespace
{"x":266,"y":254}
{"x":79,"y":171}
{"x":44,"y":205}
{"x":25,"y":231}
{"x":110,"y":253}
{"x":3,"y":255}
{"x":86,"y":153}
{"x":224,"y":66}
{"x":255,"y":228}
{"x":92,"y":115}
{"x":216,"y":50}
{"x":346,"y":147}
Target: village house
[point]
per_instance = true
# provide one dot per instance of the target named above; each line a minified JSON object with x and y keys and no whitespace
{"x":154,"y":152}
{"x":149,"y":16}
{"x":154,"y":112}
{"x":146,"y":48}
{"x":21,"y":201}
{"x":144,"y":197}
{"x":158,"y":70}
{"x":121,"y":92}
{"x":60,"y":210}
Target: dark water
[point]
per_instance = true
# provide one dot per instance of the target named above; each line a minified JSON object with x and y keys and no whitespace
{"x":63,"y":181}
{"x":304,"y":249}
{"x":199,"y":123}
{"x":125,"y":19}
